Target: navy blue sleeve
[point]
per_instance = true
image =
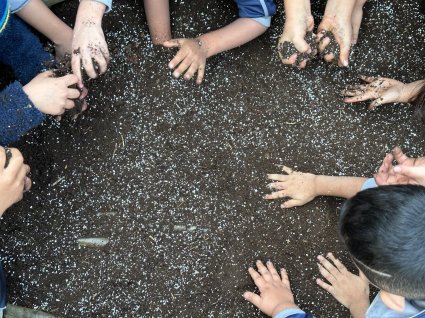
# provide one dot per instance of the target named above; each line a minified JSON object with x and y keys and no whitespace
{"x":22,"y":50}
{"x":256,"y":8}
{"x":17,"y":114}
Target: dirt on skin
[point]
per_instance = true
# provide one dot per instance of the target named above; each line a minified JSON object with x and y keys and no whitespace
{"x":173,"y":174}
{"x":286,"y":49}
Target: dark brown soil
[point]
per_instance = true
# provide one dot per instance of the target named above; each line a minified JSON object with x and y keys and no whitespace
{"x":332,"y":47}
{"x":286,"y":49}
{"x":173,"y":174}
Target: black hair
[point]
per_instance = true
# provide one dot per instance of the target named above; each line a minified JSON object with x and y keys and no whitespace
{"x":419,"y":102}
{"x":384,"y":231}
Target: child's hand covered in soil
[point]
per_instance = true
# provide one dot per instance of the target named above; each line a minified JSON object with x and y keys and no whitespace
{"x":52,"y":95}
{"x":298,"y":22}
{"x":191,"y":58}
{"x":350,"y":290}
{"x":407,"y":171}
{"x":275,"y":291}
{"x":379,"y":89}
{"x":13,"y":177}
{"x":336,"y":26}
{"x":299,"y":186}
{"x":88,"y":42}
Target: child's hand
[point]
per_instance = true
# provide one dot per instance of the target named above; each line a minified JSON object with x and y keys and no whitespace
{"x":275,"y":292}
{"x":336,"y":26}
{"x":299,"y":186}
{"x":407,"y":171}
{"x":382,"y":90}
{"x":298,"y":23}
{"x":350,"y":290}
{"x":13,"y":177}
{"x":191,"y":58}
{"x":52,"y":95}
{"x":89,"y":44}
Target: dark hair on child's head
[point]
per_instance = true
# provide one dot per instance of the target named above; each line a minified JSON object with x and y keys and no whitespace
{"x":384,"y":231}
{"x":419,"y":103}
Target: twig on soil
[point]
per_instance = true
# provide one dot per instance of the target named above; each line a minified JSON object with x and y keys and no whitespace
{"x":57,"y":181}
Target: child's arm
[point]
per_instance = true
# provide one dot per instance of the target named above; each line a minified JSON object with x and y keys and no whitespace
{"x":193,"y":53}
{"x":39,"y":16}
{"x":381,"y":91}
{"x":304,"y":187}
{"x":158,"y":18}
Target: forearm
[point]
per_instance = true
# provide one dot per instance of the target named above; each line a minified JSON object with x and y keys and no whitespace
{"x":336,"y":186}
{"x":340,"y":7}
{"x":232,"y":35}
{"x":158,"y":18}
{"x":411,"y":90}
{"x":293,"y":8}
{"x":90,"y":12}
{"x":39,"y":16}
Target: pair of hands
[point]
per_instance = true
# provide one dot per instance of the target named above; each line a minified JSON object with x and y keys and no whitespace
{"x":13,"y":177}
{"x":340,"y":21}
{"x":53,"y":96}
{"x":350,"y":290}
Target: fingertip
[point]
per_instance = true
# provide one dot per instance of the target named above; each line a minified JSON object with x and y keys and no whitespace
{"x":170,"y":65}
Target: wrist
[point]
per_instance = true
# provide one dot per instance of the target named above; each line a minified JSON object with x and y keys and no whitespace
{"x":90,"y":12}
{"x":206,"y":46}
{"x":340,"y":8}
{"x":283,"y":306}
{"x":358,"y":310}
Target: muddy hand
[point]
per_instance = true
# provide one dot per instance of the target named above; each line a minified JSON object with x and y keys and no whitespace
{"x":296,"y":44}
{"x":275,"y":290}
{"x":190,"y":59}
{"x":298,"y":186}
{"x":335,"y":32}
{"x":89,"y":48}
{"x":379,"y":89}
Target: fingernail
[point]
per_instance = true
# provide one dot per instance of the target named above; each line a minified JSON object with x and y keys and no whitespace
{"x":283,"y":206}
{"x":320,"y":257}
{"x":283,"y":270}
{"x":397,"y":169}
{"x":171,"y":65}
{"x":176,"y":74}
{"x":269,"y":262}
{"x":258,"y":261}
{"x":345,"y":63}
{"x":329,"y":254}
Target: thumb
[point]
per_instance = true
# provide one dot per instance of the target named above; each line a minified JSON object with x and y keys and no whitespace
{"x":253,"y":298}
{"x":70,"y":79}
{"x":173,"y":43}
{"x":344,"y":53}
{"x":291,"y":203}
{"x":411,"y":172}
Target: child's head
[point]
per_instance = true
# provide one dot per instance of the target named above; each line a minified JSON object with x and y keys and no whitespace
{"x":384,"y":231}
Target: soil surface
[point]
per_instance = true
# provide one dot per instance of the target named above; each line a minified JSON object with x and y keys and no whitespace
{"x":173,"y":174}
